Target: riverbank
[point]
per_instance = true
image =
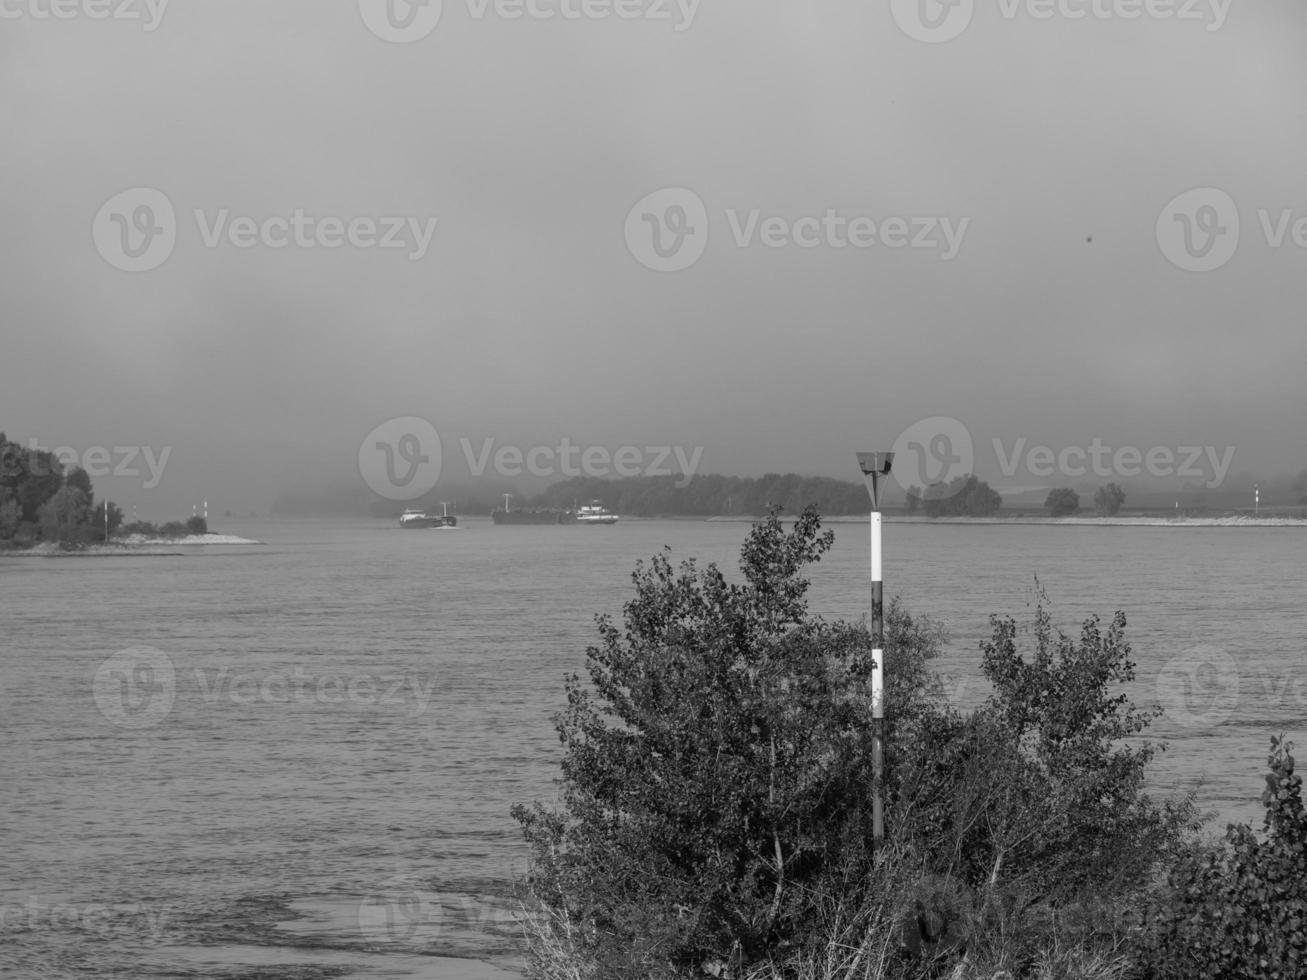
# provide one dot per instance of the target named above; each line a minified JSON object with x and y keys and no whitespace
{"x":135,"y":544}
{"x":1226,"y":521}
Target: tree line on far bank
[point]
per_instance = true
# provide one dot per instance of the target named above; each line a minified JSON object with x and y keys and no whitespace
{"x":714,"y":495}
{"x":725,"y":496}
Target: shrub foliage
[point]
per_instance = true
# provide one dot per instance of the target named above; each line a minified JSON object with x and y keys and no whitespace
{"x":715,"y":795}
{"x":1240,"y":911}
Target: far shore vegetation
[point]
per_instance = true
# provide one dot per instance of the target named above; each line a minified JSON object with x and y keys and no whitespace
{"x":707,"y":496}
{"x":747,"y":498}
{"x":40,"y":503}
{"x":713,"y":812}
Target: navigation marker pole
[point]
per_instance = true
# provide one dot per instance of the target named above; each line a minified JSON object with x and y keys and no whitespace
{"x":874,"y":466}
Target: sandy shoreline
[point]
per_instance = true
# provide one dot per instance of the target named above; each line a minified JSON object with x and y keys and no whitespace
{"x":136,"y":544}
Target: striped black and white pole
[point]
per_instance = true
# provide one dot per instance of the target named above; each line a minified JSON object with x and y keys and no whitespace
{"x":874,"y":466}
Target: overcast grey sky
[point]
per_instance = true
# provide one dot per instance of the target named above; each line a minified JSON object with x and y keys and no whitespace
{"x":529,"y":318}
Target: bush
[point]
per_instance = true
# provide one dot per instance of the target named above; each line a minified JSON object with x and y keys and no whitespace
{"x":716,"y":792}
{"x":1062,"y":502}
{"x":1029,"y":813}
{"x":11,"y":515}
{"x":1240,"y":911}
{"x":964,"y":496}
{"x":1109,"y":499}
{"x":197,"y":525}
{"x":717,"y":775}
{"x":65,"y":515}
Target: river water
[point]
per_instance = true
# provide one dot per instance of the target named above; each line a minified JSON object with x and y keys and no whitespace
{"x":296,"y":759}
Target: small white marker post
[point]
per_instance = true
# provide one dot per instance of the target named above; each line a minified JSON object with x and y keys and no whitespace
{"x":874,"y":466}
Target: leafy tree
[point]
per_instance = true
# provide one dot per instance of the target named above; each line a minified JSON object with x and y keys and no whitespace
{"x":10,"y":517}
{"x":64,"y":515}
{"x":197,"y":525}
{"x":107,"y":516}
{"x":963,"y":496}
{"x":80,"y":479}
{"x":1108,"y":500}
{"x":912,"y":502}
{"x":1062,"y":502}
{"x":1240,"y":911}
{"x":717,"y":766}
{"x":38,"y":477}
{"x":1041,"y":790}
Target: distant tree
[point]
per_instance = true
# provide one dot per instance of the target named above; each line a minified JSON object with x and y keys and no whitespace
{"x":38,"y":477}
{"x":64,"y":515}
{"x":964,"y":496}
{"x":197,"y":525}
{"x":912,"y":503}
{"x":1062,"y":502}
{"x":10,"y":460}
{"x":80,"y":479}
{"x":10,"y":516}
{"x":1108,"y":500}
{"x":107,"y":513}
